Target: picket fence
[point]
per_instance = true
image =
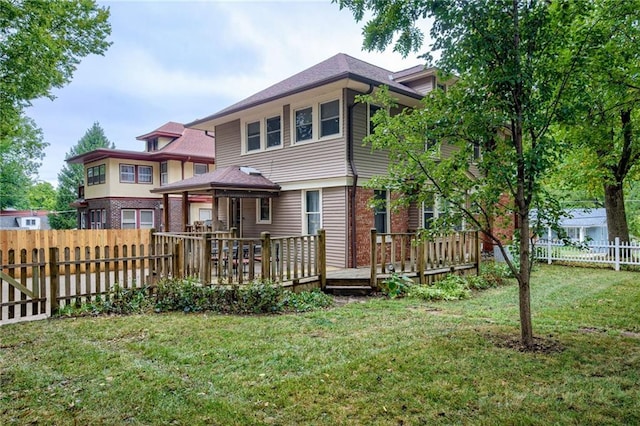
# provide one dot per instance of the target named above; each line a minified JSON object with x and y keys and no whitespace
{"x":615,"y":253}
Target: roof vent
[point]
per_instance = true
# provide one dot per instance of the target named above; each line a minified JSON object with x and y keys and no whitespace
{"x":250,"y":171}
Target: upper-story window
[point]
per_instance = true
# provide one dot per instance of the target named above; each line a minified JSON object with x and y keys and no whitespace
{"x":130,"y":173}
{"x":96,"y":175}
{"x":200,"y":168}
{"x":262,"y":134}
{"x":164,"y":173}
{"x":317,"y":121}
{"x":152,"y":145}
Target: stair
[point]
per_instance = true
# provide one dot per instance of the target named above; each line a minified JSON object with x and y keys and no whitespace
{"x":348,"y":287}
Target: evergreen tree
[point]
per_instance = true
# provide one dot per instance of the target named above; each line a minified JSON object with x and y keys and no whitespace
{"x":72,"y":176}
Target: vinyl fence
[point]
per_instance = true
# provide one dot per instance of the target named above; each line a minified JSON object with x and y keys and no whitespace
{"x":613,"y":254}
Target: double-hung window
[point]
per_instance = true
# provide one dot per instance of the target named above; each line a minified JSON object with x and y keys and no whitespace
{"x":127,"y":173}
{"x":372,"y":111}
{"x":317,"y":121}
{"x":312,"y":212}
{"x":263,"y":209}
{"x":145,"y":174}
{"x":164,"y":173}
{"x":263,"y":134}
{"x":136,"y":219}
{"x":96,"y":175}
{"x":200,"y":169}
{"x":381,"y":211}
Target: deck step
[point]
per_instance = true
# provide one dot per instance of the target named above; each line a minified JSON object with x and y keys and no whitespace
{"x":349,"y":290}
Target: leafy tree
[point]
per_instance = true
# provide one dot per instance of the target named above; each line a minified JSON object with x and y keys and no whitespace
{"x":514,"y":60}
{"x":20,"y":156}
{"x":41,"y":43}
{"x":72,"y":176}
{"x":603,"y":126}
{"x":41,"y":196}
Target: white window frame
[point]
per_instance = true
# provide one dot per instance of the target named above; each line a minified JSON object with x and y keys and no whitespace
{"x":139,"y":174}
{"x":195,"y":168}
{"x":305,"y":213}
{"x":146,"y":225}
{"x":437,"y":210}
{"x":262,"y":120}
{"x":205,"y":214}
{"x":127,"y":173}
{"x":387,"y":211}
{"x":164,"y":174}
{"x":128,"y":221}
{"x":316,"y":121}
{"x":259,"y":218}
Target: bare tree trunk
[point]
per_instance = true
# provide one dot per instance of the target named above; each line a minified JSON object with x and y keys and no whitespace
{"x":616,"y":216}
{"x":524,"y":281}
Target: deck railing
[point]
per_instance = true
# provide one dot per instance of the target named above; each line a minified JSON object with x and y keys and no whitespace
{"x":408,"y":253}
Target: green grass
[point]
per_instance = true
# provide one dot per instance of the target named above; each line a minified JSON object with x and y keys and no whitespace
{"x":381,"y":362}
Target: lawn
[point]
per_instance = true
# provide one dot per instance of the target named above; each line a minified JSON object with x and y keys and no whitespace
{"x":370,"y":362}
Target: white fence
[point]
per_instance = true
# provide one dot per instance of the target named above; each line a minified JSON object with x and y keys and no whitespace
{"x":614,"y":253}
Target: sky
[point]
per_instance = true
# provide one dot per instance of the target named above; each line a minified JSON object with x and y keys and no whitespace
{"x":184,"y":60}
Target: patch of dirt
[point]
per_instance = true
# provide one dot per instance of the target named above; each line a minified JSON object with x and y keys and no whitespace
{"x":343,"y":300}
{"x":542,"y":345}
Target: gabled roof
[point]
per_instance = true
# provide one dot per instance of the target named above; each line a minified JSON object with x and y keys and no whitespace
{"x":226,"y":178}
{"x":336,"y":68}
{"x":585,"y":218}
{"x":191,"y":144}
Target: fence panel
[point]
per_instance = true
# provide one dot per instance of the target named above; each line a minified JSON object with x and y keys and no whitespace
{"x":614,"y":253}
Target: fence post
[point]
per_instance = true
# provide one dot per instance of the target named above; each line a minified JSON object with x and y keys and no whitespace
{"x":205,"y":272}
{"x":322,"y":258}
{"x":374,"y":260}
{"x":266,"y":255}
{"x":420,"y":259}
{"x":549,"y":246}
{"x":617,"y":248}
{"x":153,"y":262}
{"x":53,"y":280}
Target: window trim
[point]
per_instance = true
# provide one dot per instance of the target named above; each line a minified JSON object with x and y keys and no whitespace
{"x":200,"y":164}
{"x":387,"y":210}
{"x":263,"y":136}
{"x":138,"y":180}
{"x":316,"y":119}
{"x":137,"y":218}
{"x":101,"y":177}
{"x":164,"y":175}
{"x":259,"y":219}
{"x":305,"y":213}
{"x":136,"y":173}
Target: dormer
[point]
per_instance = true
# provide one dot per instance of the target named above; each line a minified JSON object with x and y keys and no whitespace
{"x":421,"y":79}
{"x":162,"y":136}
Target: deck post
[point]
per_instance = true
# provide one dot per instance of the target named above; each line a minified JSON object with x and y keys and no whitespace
{"x":420,"y":259}
{"x":266,"y":255}
{"x":53,"y":280}
{"x":205,"y":272}
{"x":321,"y":256}
{"x":374,"y":257}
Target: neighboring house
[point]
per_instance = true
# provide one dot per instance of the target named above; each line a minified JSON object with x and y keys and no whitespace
{"x":116,"y":191}
{"x":583,"y":225}
{"x":24,"y":219}
{"x":302,"y":143}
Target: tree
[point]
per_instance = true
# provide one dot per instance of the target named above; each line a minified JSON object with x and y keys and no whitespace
{"x":20,"y":156}
{"x":514,"y":60}
{"x":41,"y":196}
{"x":41,"y":43}
{"x":72,"y":176}
{"x":603,"y":125}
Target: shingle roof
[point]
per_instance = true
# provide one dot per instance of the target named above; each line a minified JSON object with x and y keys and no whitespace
{"x":170,"y":129}
{"x":333,"y":69}
{"x":227,"y":177}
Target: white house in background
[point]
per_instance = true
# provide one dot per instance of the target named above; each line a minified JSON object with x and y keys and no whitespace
{"x":584,"y":225}
{"x":24,"y":219}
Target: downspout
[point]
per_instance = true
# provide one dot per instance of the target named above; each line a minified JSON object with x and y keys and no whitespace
{"x":354,"y":172}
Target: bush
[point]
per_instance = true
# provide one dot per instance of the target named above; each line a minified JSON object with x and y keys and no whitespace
{"x":396,"y":286}
{"x":118,"y":301}
{"x":306,"y":301}
{"x":453,"y":287}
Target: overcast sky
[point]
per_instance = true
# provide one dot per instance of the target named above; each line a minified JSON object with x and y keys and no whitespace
{"x":184,"y":60}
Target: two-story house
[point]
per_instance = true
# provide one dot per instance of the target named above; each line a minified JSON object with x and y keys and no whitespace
{"x":301,"y":144}
{"x":116,"y":191}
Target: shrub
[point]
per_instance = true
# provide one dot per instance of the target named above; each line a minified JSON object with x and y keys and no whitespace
{"x":396,"y":286}
{"x":306,"y":301}
{"x":453,"y":287}
{"x":118,"y":301}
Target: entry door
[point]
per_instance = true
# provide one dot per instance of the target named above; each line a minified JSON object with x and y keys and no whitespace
{"x":235,"y":214}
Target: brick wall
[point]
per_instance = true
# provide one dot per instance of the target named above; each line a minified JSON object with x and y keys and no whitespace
{"x":113,"y":206}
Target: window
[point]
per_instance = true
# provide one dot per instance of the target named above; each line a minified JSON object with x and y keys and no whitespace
{"x":204,"y":214}
{"x":304,"y":124}
{"x":127,"y":173}
{"x":164,"y":173}
{"x":152,"y":145}
{"x":317,"y":121}
{"x":83,"y":220}
{"x":274,"y":133}
{"x":329,"y":118}
{"x":145,"y":174}
{"x":95,"y":219}
{"x":200,"y":169}
{"x":104,"y":219}
{"x":476,"y":151}
{"x":312,"y":212}
{"x":30,"y":222}
{"x":253,"y":136}
{"x":381,"y":211}
{"x":134,"y":219}
{"x":372,"y":111}
{"x":128,"y":219}
{"x":433,"y":208}
{"x":263,"y":209}
{"x":96,"y":175}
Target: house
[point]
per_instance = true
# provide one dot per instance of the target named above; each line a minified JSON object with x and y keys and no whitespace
{"x":24,"y":219}
{"x":116,"y":191}
{"x":582,"y":225}
{"x":296,"y":150}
